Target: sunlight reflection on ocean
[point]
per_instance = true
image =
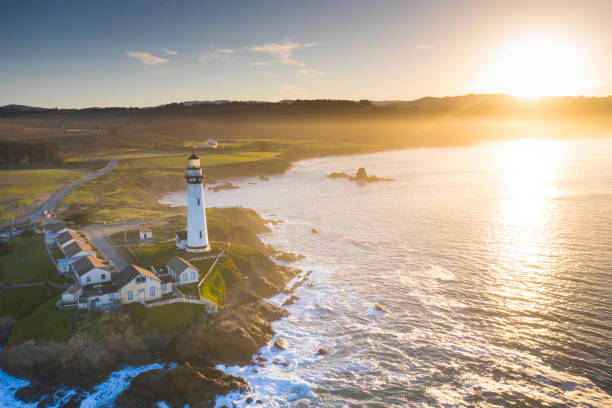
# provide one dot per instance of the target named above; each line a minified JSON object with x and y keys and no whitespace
{"x":494,"y":263}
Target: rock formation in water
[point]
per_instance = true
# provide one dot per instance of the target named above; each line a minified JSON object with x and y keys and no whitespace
{"x":361,"y":176}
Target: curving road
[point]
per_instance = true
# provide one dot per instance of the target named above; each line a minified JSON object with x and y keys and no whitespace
{"x":52,"y":202}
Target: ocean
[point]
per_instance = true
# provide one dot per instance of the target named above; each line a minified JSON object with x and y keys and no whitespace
{"x":493,"y":263}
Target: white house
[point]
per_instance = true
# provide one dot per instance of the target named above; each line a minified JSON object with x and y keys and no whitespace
{"x":53,"y":230}
{"x":67,"y":238}
{"x":182,"y":271}
{"x":101,"y":296}
{"x":72,"y":294}
{"x":90,"y":270}
{"x":78,"y":249}
{"x":146,"y":234}
{"x":64,"y":265}
{"x":136,"y":284}
{"x":210,"y":144}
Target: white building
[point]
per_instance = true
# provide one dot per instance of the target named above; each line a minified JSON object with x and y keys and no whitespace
{"x":181,"y":239}
{"x":197,"y":233}
{"x":145,"y":234}
{"x":90,"y":270}
{"x":72,"y":294}
{"x":53,"y":230}
{"x":78,"y":249}
{"x":182,"y":272}
{"x":136,"y":284}
{"x":67,"y":238}
{"x":210,"y":144}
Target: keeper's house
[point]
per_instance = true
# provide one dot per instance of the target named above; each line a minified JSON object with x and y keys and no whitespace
{"x":89,"y":270}
{"x":68,"y":237}
{"x":77,"y":249}
{"x":136,"y":284}
{"x":182,"y":272}
{"x":53,"y":230}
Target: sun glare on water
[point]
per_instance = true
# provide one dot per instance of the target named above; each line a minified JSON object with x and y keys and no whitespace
{"x":537,"y":66}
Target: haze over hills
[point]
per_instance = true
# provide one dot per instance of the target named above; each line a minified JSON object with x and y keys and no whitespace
{"x":464,"y":105}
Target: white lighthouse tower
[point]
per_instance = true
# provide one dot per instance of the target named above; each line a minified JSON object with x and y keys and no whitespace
{"x":197,"y":234}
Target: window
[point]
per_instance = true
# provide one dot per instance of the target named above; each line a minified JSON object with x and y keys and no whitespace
{"x":140,"y":279}
{"x":88,"y":279}
{"x":164,"y":286}
{"x":198,"y":201}
{"x":152,"y":290}
{"x":130,"y":295}
{"x":103,"y":276}
{"x":185,"y":276}
{"x":111,"y":296}
{"x":200,"y":234}
{"x":193,"y":276}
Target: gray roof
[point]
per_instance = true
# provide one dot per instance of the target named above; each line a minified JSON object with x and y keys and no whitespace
{"x":129,"y":273}
{"x":178,"y":264}
{"x":86,"y":264}
{"x":54,"y":228}
{"x":73,"y":289}
{"x":76,"y":247}
{"x":66,"y":236}
{"x":98,"y":290}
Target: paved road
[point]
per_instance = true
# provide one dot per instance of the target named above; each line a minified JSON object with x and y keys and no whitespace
{"x":52,"y":202}
{"x":98,"y":233}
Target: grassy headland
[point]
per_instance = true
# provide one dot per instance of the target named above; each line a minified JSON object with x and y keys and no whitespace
{"x":22,"y":189}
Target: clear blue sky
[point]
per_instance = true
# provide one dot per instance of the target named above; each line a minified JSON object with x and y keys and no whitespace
{"x":144,"y":53}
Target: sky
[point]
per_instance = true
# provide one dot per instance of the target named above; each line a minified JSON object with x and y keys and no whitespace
{"x":73,"y":54}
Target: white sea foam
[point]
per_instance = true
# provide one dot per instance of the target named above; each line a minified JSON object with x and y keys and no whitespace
{"x":104,"y":394}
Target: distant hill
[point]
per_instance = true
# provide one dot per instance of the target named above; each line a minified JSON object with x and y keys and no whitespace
{"x":22,"y":108}
{"x":455,"y":107}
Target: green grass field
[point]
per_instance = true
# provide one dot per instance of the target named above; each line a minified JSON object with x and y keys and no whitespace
{"x":27,"y":262}
{"x":168,"y":318}
{"x":20,"y":302}
{"x":24,"y":187}
{"x":46,"y":323}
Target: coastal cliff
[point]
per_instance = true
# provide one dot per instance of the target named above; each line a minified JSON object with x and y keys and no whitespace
{"x":100,"y":343}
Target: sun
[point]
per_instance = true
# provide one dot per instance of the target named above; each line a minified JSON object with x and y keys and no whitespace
{"x":537,"y":66}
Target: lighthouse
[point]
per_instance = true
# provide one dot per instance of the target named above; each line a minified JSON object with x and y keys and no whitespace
{"x":197,"y":234}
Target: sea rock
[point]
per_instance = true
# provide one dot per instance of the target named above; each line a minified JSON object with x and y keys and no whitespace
{"x":225,"y":186}
{"x":289,"y":257}
{"x":249,"y":400}
{"x":380,"y":308}
{"x":321,"y":352}
{"x":280,"y":344}
{"x":361,"y":174}
{"x":280,"y":362}
{"x":314,"y":231}
{"x":197,"y":387}
{"x":291,"y":300}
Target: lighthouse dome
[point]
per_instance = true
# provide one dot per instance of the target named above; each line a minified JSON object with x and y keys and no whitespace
{"x":193,"y":162}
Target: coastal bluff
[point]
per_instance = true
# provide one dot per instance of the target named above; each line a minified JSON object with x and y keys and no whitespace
{"x":99,"y":343}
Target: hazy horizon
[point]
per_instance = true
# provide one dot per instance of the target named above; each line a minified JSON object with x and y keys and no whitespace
{"x":75,"y":55}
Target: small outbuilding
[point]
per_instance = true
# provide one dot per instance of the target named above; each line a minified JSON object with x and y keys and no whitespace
{"x":146,"y":234}
{"x":72,"y":294}
{"x":182,"y":271}
{"x":181,"y":239}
